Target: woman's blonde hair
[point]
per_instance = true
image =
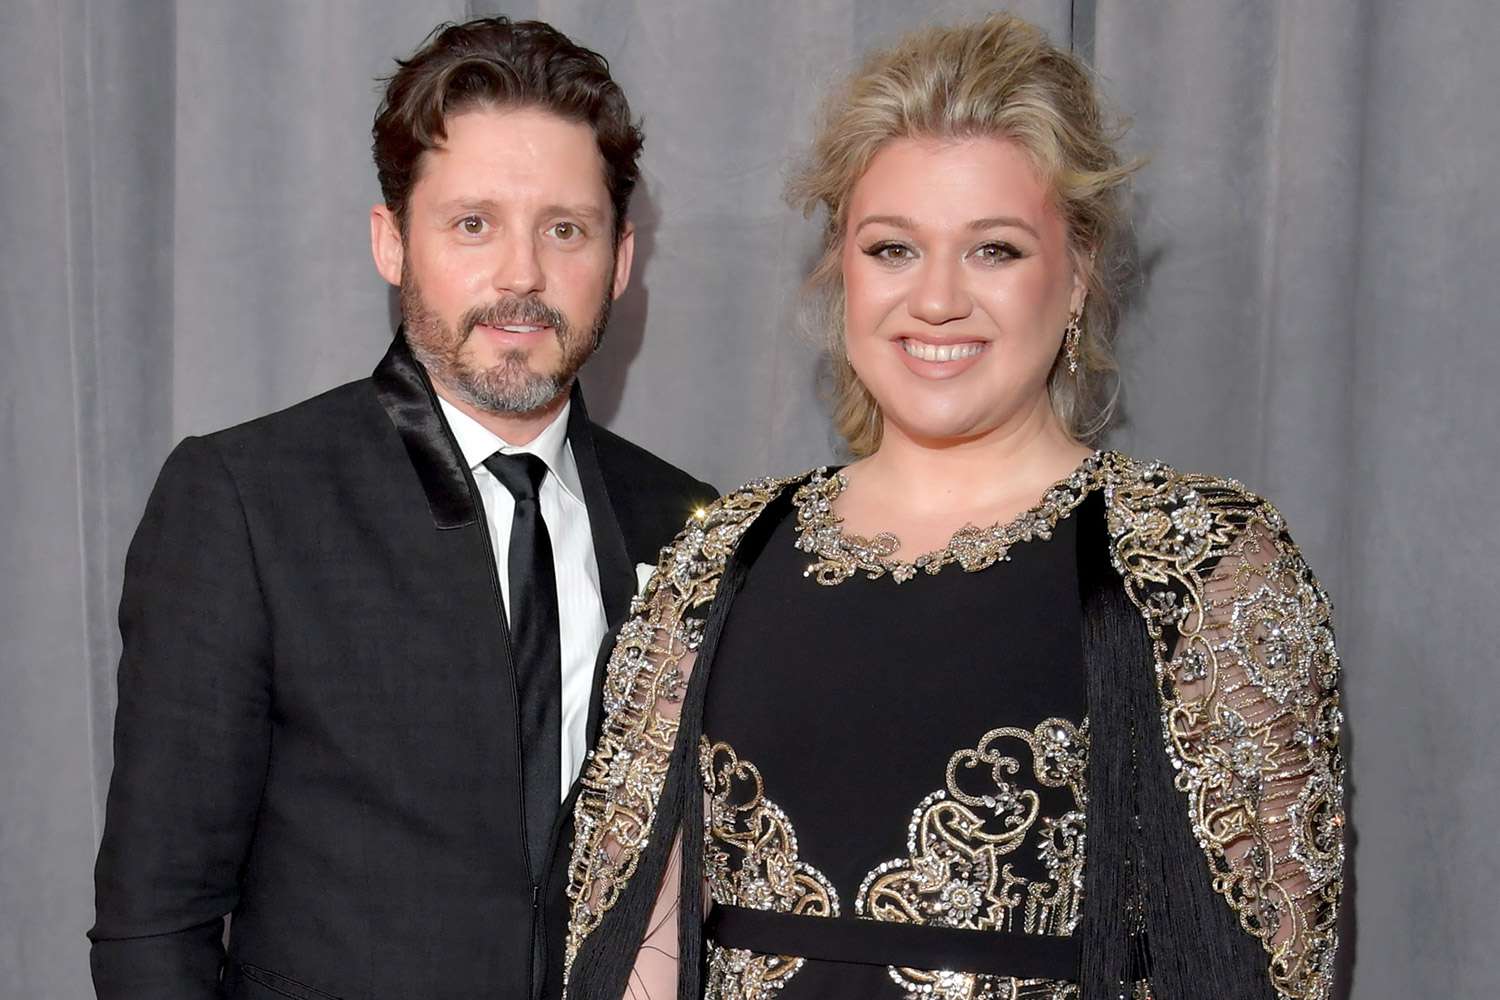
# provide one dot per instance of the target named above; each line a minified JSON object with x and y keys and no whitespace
{"x":998,"y":77}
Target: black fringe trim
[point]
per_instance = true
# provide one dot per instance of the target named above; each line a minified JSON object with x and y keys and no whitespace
{"x":1146,"y":879}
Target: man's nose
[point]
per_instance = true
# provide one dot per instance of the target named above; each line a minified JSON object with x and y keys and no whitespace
{"x":519,"y":270}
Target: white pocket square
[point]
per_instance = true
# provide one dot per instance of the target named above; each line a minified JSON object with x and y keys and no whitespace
{"x":643,"y":573}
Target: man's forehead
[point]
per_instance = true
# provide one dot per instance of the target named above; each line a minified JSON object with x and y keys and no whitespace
{"x":501,"y":154}
{"x":586,"y":210}
{"x":488,"y":130}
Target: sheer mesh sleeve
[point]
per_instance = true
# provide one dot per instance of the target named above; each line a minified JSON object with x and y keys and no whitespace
{"x":622,"y":783}
{"x":624,"y":775}
{"x":1248,"y":675}
{"x":1257,"y":722}
{"x":655,"y":974}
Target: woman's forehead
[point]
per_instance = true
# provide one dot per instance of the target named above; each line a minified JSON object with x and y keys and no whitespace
{"x":971,"y":182}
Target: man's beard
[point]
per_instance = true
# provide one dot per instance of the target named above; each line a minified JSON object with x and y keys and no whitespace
{"x":510,"y":386}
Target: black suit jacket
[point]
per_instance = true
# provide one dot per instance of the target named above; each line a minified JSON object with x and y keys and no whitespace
{"x":317,"y":726}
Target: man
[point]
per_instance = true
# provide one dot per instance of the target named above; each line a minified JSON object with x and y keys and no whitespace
{"x":360,"y":634}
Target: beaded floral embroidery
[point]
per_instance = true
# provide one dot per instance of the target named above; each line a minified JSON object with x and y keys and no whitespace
{"x":841,"y":555}
{"x":959,"y":871}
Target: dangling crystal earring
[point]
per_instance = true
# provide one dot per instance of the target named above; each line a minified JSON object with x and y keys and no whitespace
{"x":1071,"y":336}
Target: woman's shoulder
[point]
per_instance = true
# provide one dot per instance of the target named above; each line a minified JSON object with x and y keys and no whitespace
{"x":753,"y":496}
{"x":691,"y":564}
{"x":1155,"y":495}
{"x":1166,"y":524}
{"x":731,"y":513}
{"x":1207,"y":554}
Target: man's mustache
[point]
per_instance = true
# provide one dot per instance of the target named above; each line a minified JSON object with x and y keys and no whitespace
{"x":527,"y":311}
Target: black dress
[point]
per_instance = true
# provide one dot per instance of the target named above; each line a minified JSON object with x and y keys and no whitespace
{"x":903,"y":750}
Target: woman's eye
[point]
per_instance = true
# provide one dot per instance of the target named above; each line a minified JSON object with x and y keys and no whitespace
{"x":892,"y":252}
{"x":566,"y":231}
{"x":996,"y":252}
{"x":471,"y":225}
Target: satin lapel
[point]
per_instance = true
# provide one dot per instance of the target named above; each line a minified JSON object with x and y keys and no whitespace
{"x":404,"y":389}
{"x":616,"y":573}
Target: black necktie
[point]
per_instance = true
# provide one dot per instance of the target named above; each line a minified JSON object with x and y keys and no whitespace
{"x":536,"y":648}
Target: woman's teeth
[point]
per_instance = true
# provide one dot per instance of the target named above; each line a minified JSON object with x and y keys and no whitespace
{"x":940,"y":352}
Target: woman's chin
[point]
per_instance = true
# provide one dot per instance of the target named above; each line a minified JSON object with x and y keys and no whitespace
{"x":942,"y":430}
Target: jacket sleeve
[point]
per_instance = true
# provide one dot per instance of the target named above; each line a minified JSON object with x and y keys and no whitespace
{"x":1259,"y":727}
{"x":192,"y":738}
{"x":1251,"y":718}
{"x":625,"y":773}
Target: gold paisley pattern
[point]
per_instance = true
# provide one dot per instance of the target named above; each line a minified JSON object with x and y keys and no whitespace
{"x":955,"y":874}
{"x":1246,"y":670}
{"x":841,"y":555}
{"x":959,"y":871}
{"x":751,"y":859}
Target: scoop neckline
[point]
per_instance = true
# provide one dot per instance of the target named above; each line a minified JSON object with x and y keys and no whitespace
{"x":841,"y":554}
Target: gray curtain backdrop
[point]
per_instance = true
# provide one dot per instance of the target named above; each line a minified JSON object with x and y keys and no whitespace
{"x":183,"y":198}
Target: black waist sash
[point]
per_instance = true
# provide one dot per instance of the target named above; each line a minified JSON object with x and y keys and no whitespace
{"x":908,"y":946}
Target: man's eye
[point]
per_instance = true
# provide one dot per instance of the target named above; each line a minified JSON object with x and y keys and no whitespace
{"x":471,"y":225}
{"x":566,"y":231}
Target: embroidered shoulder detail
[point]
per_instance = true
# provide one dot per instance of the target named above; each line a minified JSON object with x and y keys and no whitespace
{"x":644,"y":680}
{"x":1248,"y":677}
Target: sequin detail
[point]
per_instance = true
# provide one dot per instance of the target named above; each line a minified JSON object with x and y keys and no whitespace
{"x":841,"y":555}
{"x":1248,"y":678}
{"x":955,"y":874}
{"x":957,"y":870}
{"x":751,"y":859}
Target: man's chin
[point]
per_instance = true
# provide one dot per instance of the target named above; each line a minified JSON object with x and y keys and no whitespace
{"x":513,"y":393}
{"x":533,"y":361}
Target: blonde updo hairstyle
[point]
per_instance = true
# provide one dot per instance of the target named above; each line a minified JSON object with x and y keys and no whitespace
{"x":999,"y":77}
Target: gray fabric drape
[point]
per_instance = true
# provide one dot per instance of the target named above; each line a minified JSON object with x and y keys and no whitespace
{"x":183,"y":195}
{"x":1316,"y":318}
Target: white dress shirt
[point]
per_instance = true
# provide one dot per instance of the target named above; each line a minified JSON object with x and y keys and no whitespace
{"x":580,"y":606}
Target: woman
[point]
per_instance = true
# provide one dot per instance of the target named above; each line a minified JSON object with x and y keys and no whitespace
{"x":1087,"y":751}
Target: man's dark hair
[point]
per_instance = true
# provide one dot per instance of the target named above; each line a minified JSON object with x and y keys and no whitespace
{"x":496,"y":62}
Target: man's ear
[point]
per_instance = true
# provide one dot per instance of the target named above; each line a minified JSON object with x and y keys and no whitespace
{"x":624,"y":257}
{"x":386,"y":245}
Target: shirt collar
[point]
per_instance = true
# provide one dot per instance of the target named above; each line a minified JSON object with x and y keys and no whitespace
{"x":478,"y":443}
